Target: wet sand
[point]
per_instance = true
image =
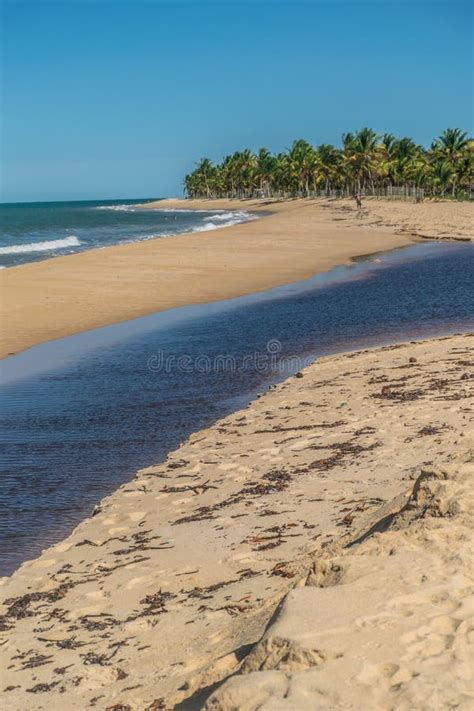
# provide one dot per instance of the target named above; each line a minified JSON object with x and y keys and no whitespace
{"x":342,"y":491}
{"x":58,"y":297}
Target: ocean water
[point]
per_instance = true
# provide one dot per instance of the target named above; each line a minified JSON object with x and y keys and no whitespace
{"x":33,"y":231}
{"x":79,"y":416}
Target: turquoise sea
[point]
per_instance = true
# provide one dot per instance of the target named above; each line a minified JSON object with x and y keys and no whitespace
{"x":40,"y":230}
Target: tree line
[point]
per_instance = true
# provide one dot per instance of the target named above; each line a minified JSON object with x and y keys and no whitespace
{"x":366,"y":163}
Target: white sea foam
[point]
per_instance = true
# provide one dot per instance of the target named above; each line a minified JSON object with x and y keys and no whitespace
{"x":223,"y":219}
{"x":179,"y":209}
{"x":116,"y":208}
{"x":172,"y":209}
{"x":206,"y":227}
{"x":231,"y":217}
{"x":48,"y":246}
{"x":226,"y":220}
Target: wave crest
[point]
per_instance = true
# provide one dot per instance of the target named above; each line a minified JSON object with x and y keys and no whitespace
{"x":47,"y":246}
{"x":235,"y":216}
{"x":116,"y":208}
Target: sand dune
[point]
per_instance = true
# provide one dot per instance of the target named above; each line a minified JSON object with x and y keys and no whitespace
{"x":170,"y":587}
{"x":383,"y":624}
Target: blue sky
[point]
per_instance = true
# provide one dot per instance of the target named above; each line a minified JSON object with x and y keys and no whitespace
{"x":119,"y":98}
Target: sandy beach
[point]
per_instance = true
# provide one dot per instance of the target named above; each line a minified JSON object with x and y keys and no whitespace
{"x":294,"y":240}
{"x":431,"y":219}
{"x":321,"y":534}
{"x":236,"y":354}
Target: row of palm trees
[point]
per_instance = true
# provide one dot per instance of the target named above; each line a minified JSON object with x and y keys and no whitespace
{"x":366,"y":163}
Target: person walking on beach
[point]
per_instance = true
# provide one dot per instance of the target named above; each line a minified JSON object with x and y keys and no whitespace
{"x":358,"y":198}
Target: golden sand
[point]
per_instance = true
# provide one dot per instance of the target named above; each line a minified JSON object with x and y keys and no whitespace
{"x":343,"y":494}
{"x":65,"y":295}
{"x":170,"y":586}
{"x":296,"y":239}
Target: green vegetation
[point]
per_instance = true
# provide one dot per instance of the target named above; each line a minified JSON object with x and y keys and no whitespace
{"x":367,"y":163}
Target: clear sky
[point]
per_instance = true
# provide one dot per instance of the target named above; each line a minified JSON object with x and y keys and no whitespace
{"x":119,"y":98}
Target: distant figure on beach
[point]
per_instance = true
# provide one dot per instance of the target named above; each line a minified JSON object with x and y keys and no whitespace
{"x":358,"y":198}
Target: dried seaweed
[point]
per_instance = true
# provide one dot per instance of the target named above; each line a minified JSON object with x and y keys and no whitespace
{"x":203,"y":513}
{"x":105,"y":569}
{"x":177,"y":463}
{"x":37,"y":660}
{"x":206,"y":592}
{"x":281,"y":569}
{"x":428,"y":430}
{"x":155,"y":604}
{"x":195,"y":488}
{"x":87,"y":542}
{"x":41,"y":688}
{"x":387,"y":393}
{"x":19,"y":607}
{"x":156,"y":705}
{"x":319,"y":425}
{"x":67,"y":643}
{"x":100,"y":624}
{"x":274,"y":481}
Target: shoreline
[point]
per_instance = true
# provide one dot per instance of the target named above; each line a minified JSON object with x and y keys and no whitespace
{"x":291,"y":241}
{"x":47,"y":300}
{"x":263,"y":495}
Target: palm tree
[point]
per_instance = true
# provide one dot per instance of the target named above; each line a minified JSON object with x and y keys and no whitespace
{"x":465,"y":169}
{"x":282,"y":174}
{"x":330,"y":165}
{"x":360,"y":151}
{"x":248,"y":168}
{"x":405,"y":154}
{"x":204,"y":173}
{"x":302,"y":163}
{"x":265,"y":171}
{"x":451,"y":145}
{"x":441,"y":174}
{"x":387,"y":158}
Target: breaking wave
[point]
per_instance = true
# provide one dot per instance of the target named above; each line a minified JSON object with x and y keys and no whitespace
{"x":116,"y":208}
{"x":179,"y":209}
{"x":211,"y":223}
{"x":231,"y":218}
{"x":48,"y":246}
